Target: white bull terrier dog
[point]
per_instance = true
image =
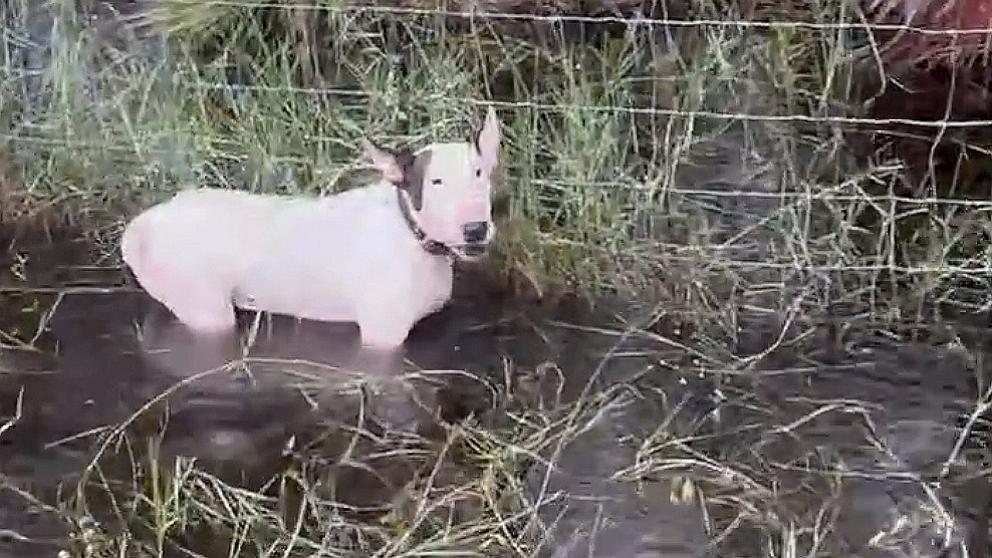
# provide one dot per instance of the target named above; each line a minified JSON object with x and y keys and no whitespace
{"x":381,"y":255}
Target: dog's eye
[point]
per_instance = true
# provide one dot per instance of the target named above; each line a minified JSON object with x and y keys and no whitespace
{"x":436,"y":182}
{"x":478,"y":173}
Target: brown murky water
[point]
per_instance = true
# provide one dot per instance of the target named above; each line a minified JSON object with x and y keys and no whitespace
{"x":857,"y":445}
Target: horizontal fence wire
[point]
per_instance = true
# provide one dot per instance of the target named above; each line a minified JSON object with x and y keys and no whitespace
{"x":634,"y":184}
{"x":597,"y":19}
{"x":648,"y":111}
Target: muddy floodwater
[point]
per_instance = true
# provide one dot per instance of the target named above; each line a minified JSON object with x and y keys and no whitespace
{"x":849,"y":441}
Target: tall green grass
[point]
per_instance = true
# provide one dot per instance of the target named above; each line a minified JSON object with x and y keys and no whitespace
{"x":623,"y":155}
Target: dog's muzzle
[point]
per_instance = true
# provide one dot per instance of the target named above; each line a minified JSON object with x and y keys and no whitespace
{"x":476,"y":236}
{"x":475,"y":232}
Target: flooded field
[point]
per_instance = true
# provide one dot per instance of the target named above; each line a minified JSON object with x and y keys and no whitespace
{"x":511,"y":429}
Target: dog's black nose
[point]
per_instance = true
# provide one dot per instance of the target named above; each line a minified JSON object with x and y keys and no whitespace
{"x":475,"y":232}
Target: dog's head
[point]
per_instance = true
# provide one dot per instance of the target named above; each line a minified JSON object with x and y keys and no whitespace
{"x":448,"y":187}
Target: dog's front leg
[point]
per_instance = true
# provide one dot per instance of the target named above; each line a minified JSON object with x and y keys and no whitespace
{"x":384,"y":328}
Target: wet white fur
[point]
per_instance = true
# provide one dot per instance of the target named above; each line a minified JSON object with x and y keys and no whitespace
{"x":348,"y":257}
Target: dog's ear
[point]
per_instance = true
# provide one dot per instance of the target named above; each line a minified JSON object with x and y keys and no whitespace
{"x":487,"y":141}
{"x":415,"y":172}
{"x":385,"y":161}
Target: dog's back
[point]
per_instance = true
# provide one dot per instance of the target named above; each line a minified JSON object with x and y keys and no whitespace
{"x":190,"y":251}
{"x":197,"y":230}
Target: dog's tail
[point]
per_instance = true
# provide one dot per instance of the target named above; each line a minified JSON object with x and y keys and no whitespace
{"x":133,"y":244}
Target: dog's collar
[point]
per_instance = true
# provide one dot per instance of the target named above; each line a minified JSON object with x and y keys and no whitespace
{"x":431,"y":246}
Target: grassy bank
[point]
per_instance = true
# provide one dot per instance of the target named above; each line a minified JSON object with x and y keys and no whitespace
{"x":638,"y":158}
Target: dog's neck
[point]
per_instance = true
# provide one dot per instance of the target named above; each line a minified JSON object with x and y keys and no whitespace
{"x":429,"y":245}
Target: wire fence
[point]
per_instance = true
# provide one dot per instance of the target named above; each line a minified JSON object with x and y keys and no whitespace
{"x":853,"y":221}
{"x":634,"y":20}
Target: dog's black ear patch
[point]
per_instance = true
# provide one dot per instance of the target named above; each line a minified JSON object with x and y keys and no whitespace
{"x":414,"y":172}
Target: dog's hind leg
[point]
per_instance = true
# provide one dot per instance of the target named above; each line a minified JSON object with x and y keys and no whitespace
{"x":185,"y":289}
{"x":201,"y":306}
{"x":209,"y":313}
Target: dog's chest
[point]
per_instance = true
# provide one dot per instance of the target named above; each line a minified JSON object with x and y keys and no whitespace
{"x":434,"y":282}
